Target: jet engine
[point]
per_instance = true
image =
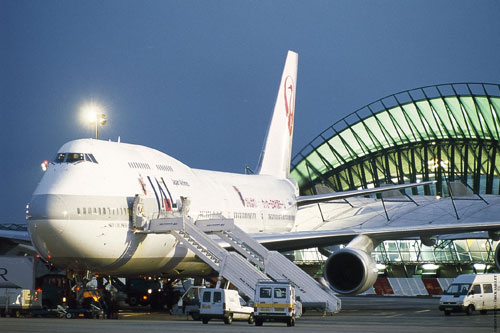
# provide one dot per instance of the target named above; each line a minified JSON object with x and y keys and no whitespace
{"x":497,"y":256}
{"x":352,"y":270}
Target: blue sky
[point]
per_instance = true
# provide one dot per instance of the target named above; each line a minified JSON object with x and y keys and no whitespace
{"x":198,"y":79}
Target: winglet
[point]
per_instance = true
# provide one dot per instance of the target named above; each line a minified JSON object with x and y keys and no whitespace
{"x":277,"y":151}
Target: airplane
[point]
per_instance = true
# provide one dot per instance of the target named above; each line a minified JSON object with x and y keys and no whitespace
{"x":83,"y":212}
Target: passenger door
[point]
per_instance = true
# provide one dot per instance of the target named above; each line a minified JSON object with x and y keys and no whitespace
{"x":211,"y":302}
{"x":206,"y":302}
{"x":265,"y":299}
{"x":217,"y":304}
{"x":477,"y":297}
{"x":281,"y":300}
{"x":488,"y":297}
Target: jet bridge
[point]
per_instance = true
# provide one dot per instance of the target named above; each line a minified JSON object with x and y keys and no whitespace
{"x":251,"y":261}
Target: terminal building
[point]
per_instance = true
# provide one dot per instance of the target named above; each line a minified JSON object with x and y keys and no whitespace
{"x":447,"y":133}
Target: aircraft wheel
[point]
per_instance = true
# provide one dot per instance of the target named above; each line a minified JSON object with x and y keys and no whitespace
{"x":133,"y":301}
{"x":229,"y":319}
{"x":195,"y":315}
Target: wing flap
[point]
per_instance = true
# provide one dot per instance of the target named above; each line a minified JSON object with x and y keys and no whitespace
{"x":311,"y":199}
{"x":310,"y":239}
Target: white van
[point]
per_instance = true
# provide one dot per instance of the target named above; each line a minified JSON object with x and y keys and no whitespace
{"x":470,"y":292}
{"x":224,"y":304}
{"x":275,"y":301}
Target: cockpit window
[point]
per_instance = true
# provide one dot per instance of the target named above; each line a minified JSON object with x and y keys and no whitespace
{"x":74,"y":157}
{"x":92,"y":158}
{"x":60,"y":158}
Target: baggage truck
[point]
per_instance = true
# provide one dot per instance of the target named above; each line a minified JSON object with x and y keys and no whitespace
{"x":471,"y":292}
{"x":18,"y":293}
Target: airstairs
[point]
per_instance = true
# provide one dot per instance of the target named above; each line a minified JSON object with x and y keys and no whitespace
{"x":251,"y":261}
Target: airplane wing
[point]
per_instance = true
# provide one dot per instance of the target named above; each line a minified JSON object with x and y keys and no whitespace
{"x":15,"y":233}
{"x":339,"y":223}
{"x":311,"y":199}
{"x":15,"y":240}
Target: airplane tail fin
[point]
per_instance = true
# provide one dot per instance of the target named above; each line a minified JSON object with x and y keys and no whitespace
{"x":277,"y":151}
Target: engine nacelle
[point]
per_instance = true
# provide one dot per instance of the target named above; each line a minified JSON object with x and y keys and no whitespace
{"x":351,"y":270}
{"x":497,"y":256}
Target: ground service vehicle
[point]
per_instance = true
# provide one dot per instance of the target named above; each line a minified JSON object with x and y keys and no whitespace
{"x":470,"y":292}
{"x":28,"y":287}
{"x":225,"y":304}
{"x":18,"y":292}
{"x":189,"y":303}
{"x":275,"y":301}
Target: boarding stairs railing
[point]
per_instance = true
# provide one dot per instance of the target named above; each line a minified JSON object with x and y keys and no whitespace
{"x":230,"y":265}
{"x":250,"y":263}
{"x":278,"y":267}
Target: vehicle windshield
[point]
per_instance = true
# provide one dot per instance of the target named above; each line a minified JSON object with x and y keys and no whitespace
{"x":458,"y":288}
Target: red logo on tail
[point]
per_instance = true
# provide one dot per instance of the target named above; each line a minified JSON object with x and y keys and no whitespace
{"x":289,"y":102}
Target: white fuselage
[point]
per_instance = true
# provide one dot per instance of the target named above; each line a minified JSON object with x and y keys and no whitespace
{"x":80,"y":215}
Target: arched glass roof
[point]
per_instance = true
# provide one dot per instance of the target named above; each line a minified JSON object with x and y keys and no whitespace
{"x":434,"y":132}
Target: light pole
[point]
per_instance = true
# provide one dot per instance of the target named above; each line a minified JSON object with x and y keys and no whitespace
{"x":95,"y":116}
{"x":100,"y":120}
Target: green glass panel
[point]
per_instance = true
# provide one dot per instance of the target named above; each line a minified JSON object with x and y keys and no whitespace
{"x":415,"y":120}
{"x":495,"y":110}
{"x":363,"y":135}
{"x":485,"y":112}
{"x":351,"y":141}
{"x":339,"y":147}
{"x":457,"y":114}
{"x":427,"y":254}
{"x":429,"y":119}
{"x":316,"y":162}
{"x":473,"y":119}
{"x":375,"y":130}
{"x":327,"y":154}
{"x":402,"y":123}
{"x":391,"y":246}
{"x":442,"y":113}
{"x":495,"y":101}
{"x":368,"y":172}
{"x":388,"y":126}
{"x":299,"y":173}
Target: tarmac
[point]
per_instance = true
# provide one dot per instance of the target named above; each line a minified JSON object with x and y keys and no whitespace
{"x":359,"y":314}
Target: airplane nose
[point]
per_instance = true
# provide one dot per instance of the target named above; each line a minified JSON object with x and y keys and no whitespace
{"x":47,"y":206}
{"x":46,"y":215}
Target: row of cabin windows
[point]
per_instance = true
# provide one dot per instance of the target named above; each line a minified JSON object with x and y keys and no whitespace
{"x":251,"y":216}
{"x":102,"y":211}
{"x":164,"y":167}
{"x":281,"y":217}
{"x":139,"y":165}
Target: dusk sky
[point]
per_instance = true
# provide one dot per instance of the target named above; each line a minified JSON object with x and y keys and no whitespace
{"x":198,"y":79}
